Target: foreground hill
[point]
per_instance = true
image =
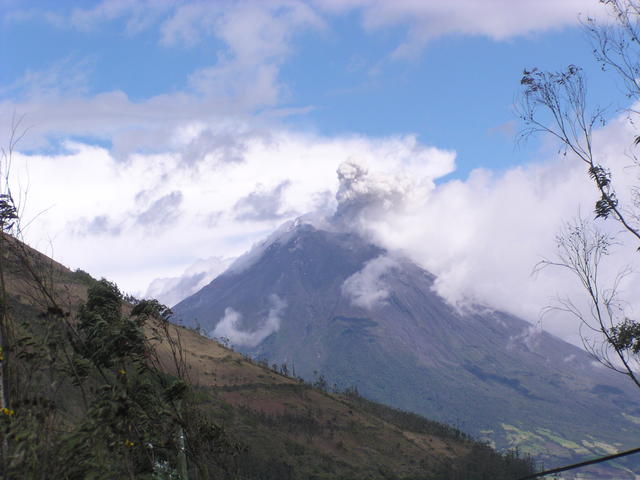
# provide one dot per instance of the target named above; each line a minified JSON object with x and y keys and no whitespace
{"x":265,"y":425}
{"x":295,"y":430}
{"x":328,"y":302}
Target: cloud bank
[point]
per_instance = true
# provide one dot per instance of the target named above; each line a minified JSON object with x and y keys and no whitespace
{"x":154,"y":215}
{"x":482,"y":237}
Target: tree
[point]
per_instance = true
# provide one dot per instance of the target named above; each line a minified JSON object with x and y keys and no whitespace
{"x":104,"y":394}
{"x":555,"y":104}
{"x":581,"y":249}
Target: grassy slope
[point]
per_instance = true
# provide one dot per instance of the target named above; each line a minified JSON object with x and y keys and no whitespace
{"x":262,"y":406}
{"x":318,"y":433}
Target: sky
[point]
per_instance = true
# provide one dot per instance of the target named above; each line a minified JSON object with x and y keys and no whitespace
{"x":163,"y":138}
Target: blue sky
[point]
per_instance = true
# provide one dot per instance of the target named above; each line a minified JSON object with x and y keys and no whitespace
{"x":456,"y":92}
{"x":171,"y":132}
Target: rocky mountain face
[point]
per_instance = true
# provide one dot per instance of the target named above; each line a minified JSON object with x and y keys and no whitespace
{"x":331,"y":304}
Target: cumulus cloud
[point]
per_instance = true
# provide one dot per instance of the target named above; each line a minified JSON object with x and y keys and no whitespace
{"x":190,"y":210}
{"x":481,"y":236}
{"x":230,"y":325}
{"x":156,"y":213}
{"x":367,"y":288}
{"x":225,"y":142}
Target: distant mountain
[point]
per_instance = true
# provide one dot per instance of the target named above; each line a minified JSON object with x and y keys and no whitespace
{"x":171,"y":290}
{"x":329,"y":303}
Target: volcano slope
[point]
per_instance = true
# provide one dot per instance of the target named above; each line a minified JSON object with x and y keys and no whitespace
{"x":337,"y":309}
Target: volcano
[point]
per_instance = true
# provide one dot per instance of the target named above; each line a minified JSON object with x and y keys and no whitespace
{"x":328,"y":303}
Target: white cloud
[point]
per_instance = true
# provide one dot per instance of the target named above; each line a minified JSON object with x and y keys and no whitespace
{"x":154,"y":214}
{"x":253,"y":30}
{"x":262,"y":204}
{"x":529,"y":338}
{"x":155,"y":124}
{"x":256,"y":27}
{"x":367,"y":288}
{"x":230,"y":325}
{"x":250,"y":42}
{"x":258,"y":37}
{"x":483,"y":236}
{"x":496,"y":19}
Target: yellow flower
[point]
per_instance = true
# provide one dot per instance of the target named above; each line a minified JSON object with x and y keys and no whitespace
{"x":128,"y":443}
{"x":7,"y":411}
{"x":122,"y":371}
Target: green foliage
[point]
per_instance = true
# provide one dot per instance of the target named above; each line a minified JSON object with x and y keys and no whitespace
{"x":82,"y":277}
{"x":106,"y":338}
{"x":8,"y":212}
{"x":626,"y":336}
{"x":91,"y":402}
